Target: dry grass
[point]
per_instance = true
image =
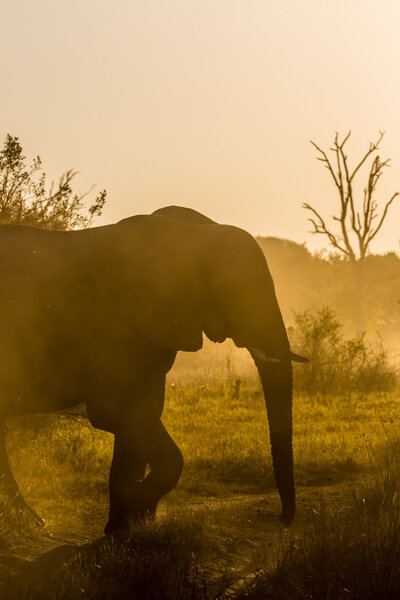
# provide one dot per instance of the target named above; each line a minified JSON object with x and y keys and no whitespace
{"x":62,"y":466}
{"x":349,"y":549}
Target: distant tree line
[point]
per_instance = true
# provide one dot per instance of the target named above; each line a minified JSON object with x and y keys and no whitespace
{"x":306,"y":281}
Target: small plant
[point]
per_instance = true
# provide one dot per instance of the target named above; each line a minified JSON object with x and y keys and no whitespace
{"x":338,"y":365}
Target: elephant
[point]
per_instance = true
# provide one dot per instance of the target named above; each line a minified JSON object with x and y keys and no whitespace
{"x":98,"y":315}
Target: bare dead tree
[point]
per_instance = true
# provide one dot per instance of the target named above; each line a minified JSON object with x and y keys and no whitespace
{"x":358,"y":223}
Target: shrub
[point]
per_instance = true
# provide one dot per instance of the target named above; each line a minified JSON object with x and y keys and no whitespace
{"x":338,"y":365}
{"x":26,"y":200}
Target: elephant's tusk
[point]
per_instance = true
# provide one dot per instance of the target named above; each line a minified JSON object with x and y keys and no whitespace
{"x":256,"y":353}
{"x":260,"y":355}
{"x":298,"y":358}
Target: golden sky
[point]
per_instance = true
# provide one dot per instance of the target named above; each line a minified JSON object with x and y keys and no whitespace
{"x":206,"y":104}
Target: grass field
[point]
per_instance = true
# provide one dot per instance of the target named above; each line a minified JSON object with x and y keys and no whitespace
{"x":220,"y":522}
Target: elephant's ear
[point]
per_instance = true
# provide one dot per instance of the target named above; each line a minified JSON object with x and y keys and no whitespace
{"x":163,"y":275}
{"x":178,"y":317}
{"x":170,"y":321}
{"x":171,"y":279}
{"x":213,"y":319}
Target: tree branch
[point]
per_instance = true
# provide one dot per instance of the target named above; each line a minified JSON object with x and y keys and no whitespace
{"x":322,"y":228}
{"x":325,"y":159}
{"x":352,"y":220}
{"x":372,"y":148}
{"x":383,"y":217}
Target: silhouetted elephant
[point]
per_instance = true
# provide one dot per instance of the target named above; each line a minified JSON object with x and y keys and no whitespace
{"x":98,"y":316}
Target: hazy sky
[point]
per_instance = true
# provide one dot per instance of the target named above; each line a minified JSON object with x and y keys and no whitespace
{"x":206,"y":104}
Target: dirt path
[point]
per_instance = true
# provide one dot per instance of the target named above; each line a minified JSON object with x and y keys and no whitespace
{"x":241,"y":534}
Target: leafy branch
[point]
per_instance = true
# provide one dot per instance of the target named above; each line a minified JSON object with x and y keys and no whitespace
{"x":25,"y":199}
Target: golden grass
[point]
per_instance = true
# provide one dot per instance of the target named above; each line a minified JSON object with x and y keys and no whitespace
{"x":62,"y":465}
{"x":223,"y":436}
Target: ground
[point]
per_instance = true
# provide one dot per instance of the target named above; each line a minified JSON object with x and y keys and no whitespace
{"x":224,"y":510}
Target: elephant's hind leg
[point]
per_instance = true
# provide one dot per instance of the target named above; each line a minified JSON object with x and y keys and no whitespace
{"x":133,"y":497}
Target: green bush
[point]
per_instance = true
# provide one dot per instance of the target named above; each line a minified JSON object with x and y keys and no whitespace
{"x":26,"y":199}
{"x":338,"y":365}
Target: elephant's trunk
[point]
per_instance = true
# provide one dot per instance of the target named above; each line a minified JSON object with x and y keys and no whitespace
{"x":276,"y":380}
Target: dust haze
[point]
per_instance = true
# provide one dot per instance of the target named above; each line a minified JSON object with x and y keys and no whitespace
{"x":199,"y":300}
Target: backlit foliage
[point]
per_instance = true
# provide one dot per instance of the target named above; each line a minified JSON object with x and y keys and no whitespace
{"x":338,"y":364}
{"x":25,"y":198}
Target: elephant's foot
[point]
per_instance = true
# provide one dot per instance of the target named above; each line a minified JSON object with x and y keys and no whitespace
{"x":123,"y":520}
{"x":133,"y":497}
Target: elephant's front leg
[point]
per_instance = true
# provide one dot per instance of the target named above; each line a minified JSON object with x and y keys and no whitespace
{"x":133,"y":496}
{"x":10,"y":495}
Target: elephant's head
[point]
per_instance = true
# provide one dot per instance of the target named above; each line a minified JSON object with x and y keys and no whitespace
{"x":228,"y":292}
{"x":243,"y":306}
